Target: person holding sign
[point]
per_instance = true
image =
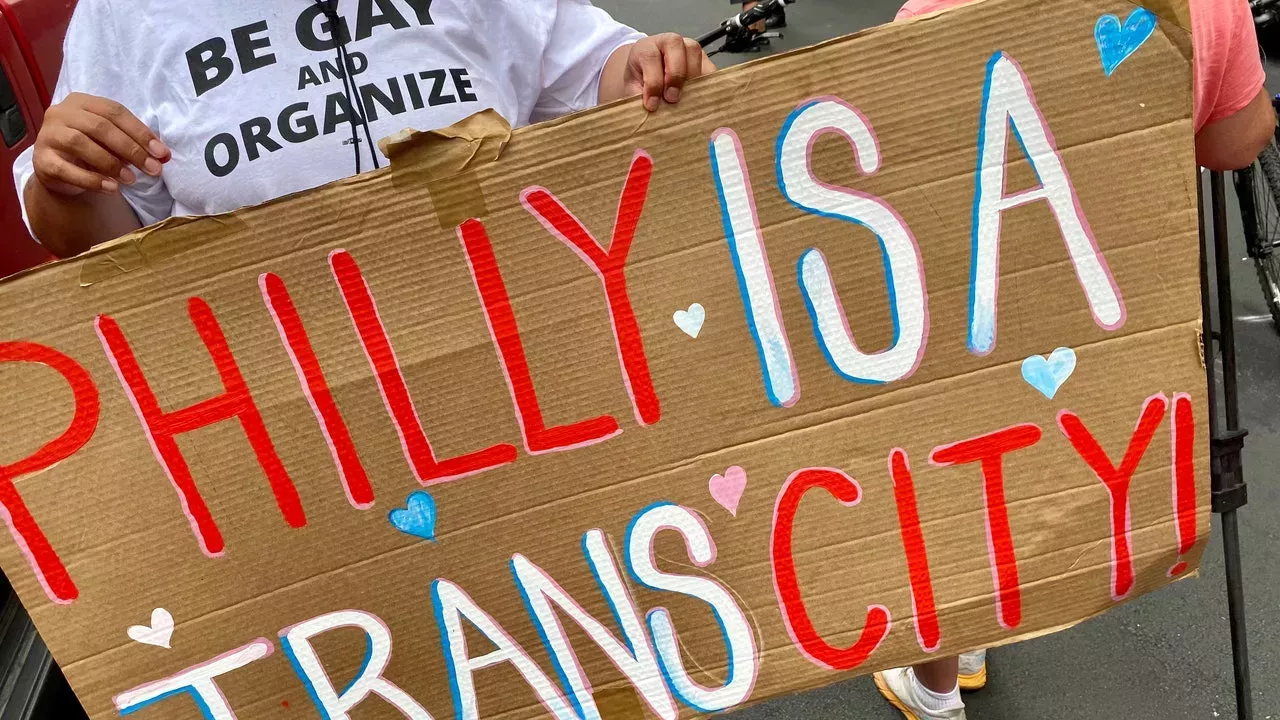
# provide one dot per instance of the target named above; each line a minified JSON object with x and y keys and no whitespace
{"x":1234,"y":120}
{"x":168,"y":108}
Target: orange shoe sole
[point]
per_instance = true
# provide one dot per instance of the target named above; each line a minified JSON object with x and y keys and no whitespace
{"x":893,"y":699}
{"x":976,"y":681}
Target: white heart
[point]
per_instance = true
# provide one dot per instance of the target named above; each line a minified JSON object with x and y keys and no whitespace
{"x":690,"y":321}
{"x":158,"y":633}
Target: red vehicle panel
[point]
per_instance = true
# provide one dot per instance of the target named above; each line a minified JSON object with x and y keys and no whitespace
{"x":31,"y":33}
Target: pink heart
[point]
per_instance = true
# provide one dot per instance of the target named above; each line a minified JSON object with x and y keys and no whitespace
{"x":727,"y":489}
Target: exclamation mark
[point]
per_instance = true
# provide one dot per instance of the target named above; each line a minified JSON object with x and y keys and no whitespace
{"x":1184,"y":479}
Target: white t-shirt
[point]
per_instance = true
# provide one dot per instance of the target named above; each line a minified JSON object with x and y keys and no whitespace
{"x":249,"y":96}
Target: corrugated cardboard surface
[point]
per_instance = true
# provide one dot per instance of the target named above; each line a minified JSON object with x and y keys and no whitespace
{"x":114,"y":519}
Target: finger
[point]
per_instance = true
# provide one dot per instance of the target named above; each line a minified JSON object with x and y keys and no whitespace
{"x":56,"y":169}
{"x":646,"y":61}
{"x":80,"y":147}
{"x":114,"y":140}
{"x":694,"y":57}
{"x":648,"y":64}
{"x":120,"y":116}
{"x":675,"y":59}
{"x":708,"y":65}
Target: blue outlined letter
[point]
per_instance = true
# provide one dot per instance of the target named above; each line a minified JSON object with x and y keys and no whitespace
{"x":755,"y":277}
{"x":198,"y":682}
{"x":635,"y":659}
{"x":903,"y":269}
{"x":334,"y":705}
{"x":739,"y":636}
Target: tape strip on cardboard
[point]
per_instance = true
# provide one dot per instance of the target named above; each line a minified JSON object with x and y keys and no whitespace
{"x":445,"y":162}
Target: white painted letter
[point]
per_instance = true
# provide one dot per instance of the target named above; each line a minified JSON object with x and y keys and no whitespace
{"x":755,"y":278}
{"x":739,"y":636}
{"x":635,"y":659}
{"x":904,"y":273}
{"x":452,"y":605}
{"x":1008,"y":100}
{"x":197,"y":681}
{"x":334,"y":705}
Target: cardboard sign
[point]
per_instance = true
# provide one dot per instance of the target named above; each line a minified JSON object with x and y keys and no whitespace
{"x":876,"y":352}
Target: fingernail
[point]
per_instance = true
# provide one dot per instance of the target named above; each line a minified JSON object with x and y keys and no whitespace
{"x":151,"y":166}
{"x":157,"y":148}
{"x":673,"y":95}
{"x":126,"y":176}
{"x":110,"y":186}
{"x":651,"y":104}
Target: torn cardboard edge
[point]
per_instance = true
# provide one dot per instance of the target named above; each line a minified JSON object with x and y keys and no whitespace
{"x":445,"y":159}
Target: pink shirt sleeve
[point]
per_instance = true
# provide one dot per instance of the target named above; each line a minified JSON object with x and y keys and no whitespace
{"x":924,"y":7}
{"x":1228,"y":68}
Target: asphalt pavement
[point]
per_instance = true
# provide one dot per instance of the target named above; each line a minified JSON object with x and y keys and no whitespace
{"x":1166,"y":655}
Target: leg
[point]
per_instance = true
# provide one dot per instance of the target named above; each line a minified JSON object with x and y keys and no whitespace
{"x":940,"y":676}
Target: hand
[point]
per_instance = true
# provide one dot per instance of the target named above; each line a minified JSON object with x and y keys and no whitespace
{"x":657,"y":67}
{"x":87,"y":143}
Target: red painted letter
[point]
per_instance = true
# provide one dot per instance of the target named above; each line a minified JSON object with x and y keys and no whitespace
{"x":395,"y":394}
{"x":608,"y":266}
{"x":162,"y":428}
{"x":48,"y":567}
{"x":803,"y":633}
{"x":1116,"y":480}
{"x":989,"y":450}
{"x":538,"y":438}
{"x":922,"y":602}
{"x":1184,"y":478}
{"x":294,"y":336}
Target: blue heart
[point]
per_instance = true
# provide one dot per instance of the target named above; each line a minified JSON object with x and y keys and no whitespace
{"x":1117,"y":42}
{"x":1048,"y":375}
{"x":418,"y":518}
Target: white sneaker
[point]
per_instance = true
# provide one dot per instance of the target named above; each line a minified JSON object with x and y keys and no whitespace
{"x":973,"y":670}
{"x":901,"y":688}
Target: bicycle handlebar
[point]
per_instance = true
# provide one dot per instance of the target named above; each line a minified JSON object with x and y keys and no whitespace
{"x":742,"y":22}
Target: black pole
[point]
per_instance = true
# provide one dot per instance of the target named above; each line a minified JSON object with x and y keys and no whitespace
{"x":1206,"y":318}
{"x":1226,"y":324}
{"x":1228,"y":487}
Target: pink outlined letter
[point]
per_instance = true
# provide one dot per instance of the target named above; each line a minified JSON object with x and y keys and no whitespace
{"x":1184,"y":478}
{"x":989,"y":450}
{"x":1117,"y":480}
{"x":505,"y":332}
{"x":395,"y":393}
{"x":293,"y":334}
{"x":163,"y":427}
{"x":609,"y":265}
{"x":1007,"y":99}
